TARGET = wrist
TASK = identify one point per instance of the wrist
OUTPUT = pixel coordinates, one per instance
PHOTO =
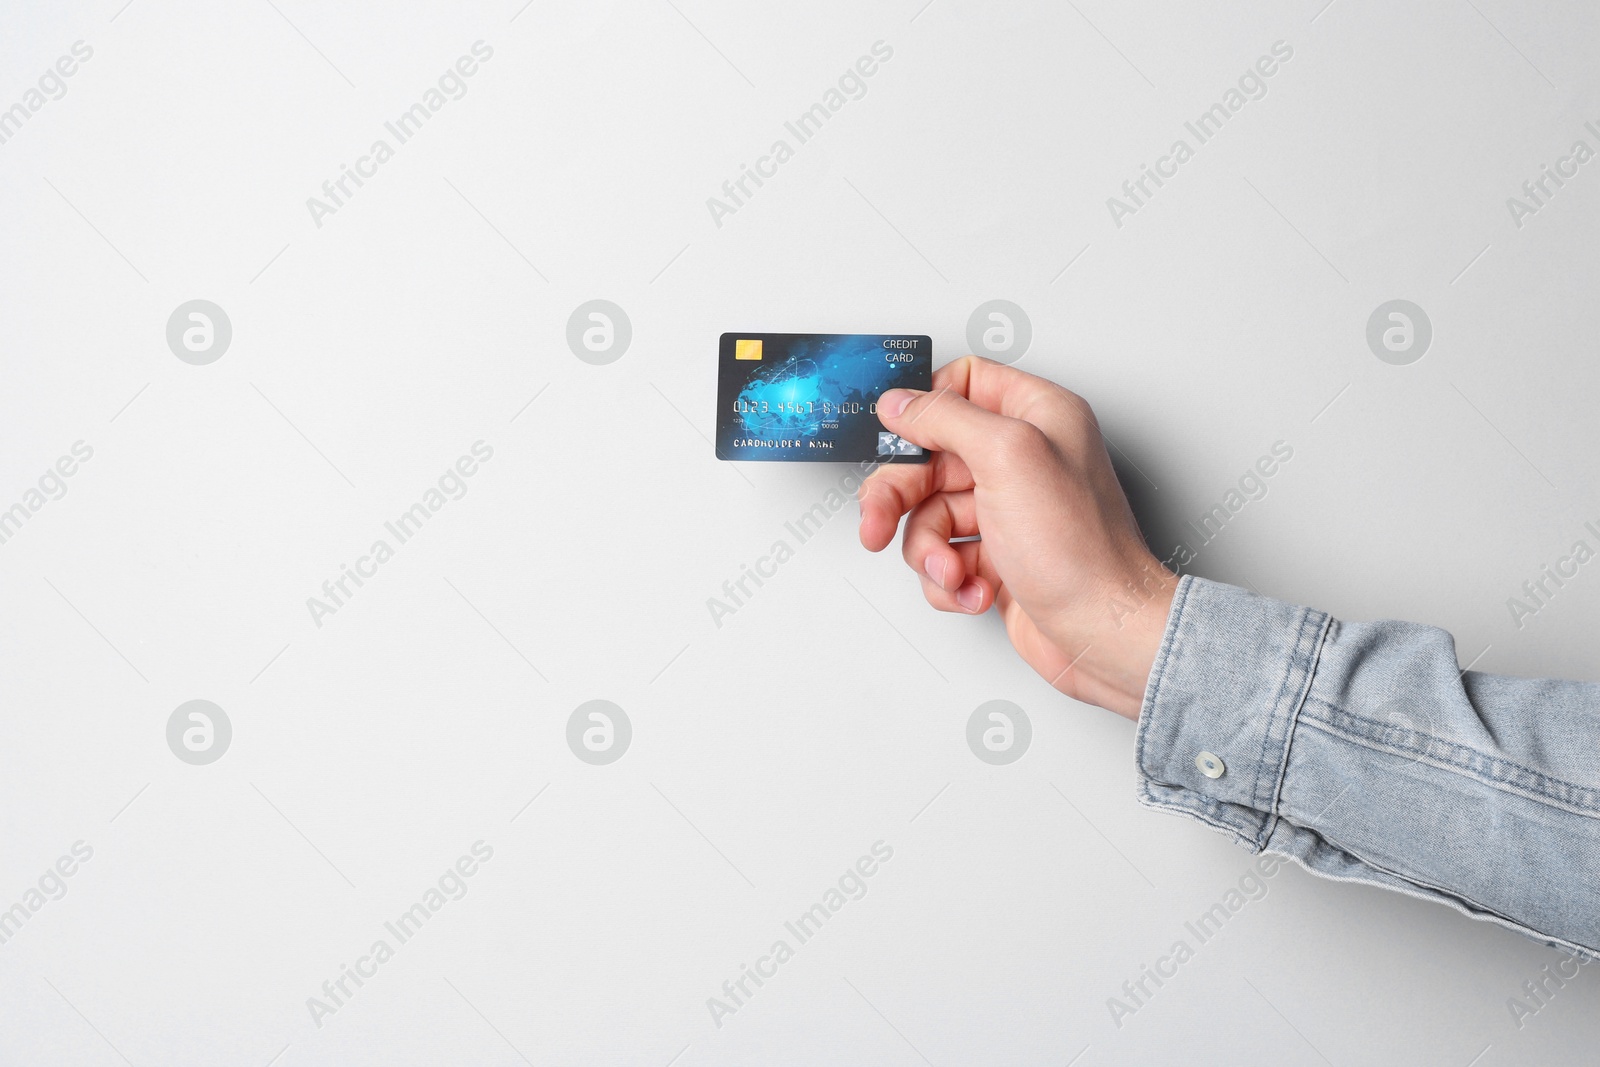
(1123, 637)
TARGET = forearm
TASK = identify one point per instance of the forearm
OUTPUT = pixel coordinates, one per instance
(1361, 751)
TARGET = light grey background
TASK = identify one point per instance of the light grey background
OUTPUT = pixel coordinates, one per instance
(829, 712)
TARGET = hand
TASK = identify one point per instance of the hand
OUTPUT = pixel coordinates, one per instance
(1020, 461)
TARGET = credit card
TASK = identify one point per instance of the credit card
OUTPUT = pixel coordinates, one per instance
(813, 397)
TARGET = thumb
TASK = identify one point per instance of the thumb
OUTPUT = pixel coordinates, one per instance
(942, 420)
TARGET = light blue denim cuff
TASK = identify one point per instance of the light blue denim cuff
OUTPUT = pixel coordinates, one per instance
(1221, 706)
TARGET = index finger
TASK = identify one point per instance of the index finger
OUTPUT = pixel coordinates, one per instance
(893, 490)
(1061, 414)
(896, 488)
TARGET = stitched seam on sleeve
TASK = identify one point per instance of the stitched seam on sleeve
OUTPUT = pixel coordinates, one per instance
(1272, 712)
(1554, 792)
(1262, 799)
(1319, 640)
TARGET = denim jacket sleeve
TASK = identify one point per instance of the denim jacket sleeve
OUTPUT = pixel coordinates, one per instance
(1363, 752)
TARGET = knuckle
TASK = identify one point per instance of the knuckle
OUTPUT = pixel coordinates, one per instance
(1076, 401)
(1073, 405)
(1020, 441)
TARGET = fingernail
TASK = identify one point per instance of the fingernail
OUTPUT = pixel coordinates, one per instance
(970, 595)
(892, 403)
(934, 567)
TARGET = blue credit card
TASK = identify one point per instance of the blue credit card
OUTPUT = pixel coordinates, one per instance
(813, 397)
